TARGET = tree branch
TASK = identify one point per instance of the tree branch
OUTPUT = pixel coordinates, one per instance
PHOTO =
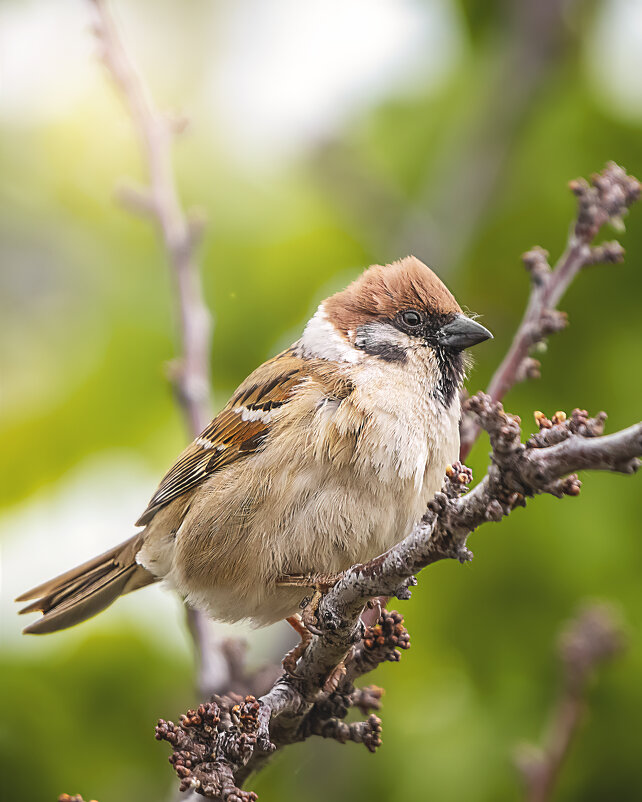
(591, 639)
(605, 200)
(179, 231)
(160, 200)
(463, 165)
(314, 700)
(217, 762)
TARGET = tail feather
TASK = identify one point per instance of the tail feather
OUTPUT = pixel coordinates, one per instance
(87, 589)
(62, 589)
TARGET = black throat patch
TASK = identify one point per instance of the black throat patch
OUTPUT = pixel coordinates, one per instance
(452, 367)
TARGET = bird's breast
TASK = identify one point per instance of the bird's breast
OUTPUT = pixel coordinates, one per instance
(339, 482)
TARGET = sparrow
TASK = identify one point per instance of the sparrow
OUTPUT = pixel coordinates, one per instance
(325, 456)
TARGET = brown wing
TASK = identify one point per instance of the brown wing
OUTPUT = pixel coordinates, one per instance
(237, 431)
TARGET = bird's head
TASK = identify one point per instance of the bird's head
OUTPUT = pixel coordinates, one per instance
(395, 313)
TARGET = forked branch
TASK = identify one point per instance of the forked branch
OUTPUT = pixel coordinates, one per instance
(605, 199)
(216, 762)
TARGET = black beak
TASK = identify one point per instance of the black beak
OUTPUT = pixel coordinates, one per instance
(461, 333)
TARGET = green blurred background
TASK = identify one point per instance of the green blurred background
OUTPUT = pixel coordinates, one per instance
(325, 136)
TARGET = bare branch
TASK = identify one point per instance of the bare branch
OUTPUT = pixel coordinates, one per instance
(160, 200)
(604, 200)
(180, 231)
(307, 704)
(458, 178)
(216, 747)
(594, 637)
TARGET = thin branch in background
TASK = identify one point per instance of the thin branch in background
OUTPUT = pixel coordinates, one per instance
(180, 231)
(160, 200)
(471, 164)
(605, 199)
(593, 638)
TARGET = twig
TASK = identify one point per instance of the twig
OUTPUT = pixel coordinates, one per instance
(307, 703)
(605, 200)
(191, 378)
(190, 375)
(594, 637)
(466, 171)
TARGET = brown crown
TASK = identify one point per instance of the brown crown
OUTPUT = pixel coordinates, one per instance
(382, 291)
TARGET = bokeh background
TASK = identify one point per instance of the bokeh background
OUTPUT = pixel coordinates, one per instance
(325, 135)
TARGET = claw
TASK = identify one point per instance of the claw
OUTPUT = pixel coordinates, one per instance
(307, 624)
(291, 658)
(321, 583)
(309, 614)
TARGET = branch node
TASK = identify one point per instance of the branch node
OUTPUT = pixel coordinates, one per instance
(536, 262)
(135, 199)
(494, 511)
(177, 122)
(529, 368)
(403, 592)
(464, 555)
(606, 253)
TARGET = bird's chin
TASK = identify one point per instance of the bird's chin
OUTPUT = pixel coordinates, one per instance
(452, 368)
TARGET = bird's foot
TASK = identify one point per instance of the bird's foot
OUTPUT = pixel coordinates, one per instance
(321, 584)
(291, 658)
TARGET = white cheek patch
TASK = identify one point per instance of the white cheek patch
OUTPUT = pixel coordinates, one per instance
(321, 340)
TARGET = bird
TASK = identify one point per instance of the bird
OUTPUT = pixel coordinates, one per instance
(324, 457)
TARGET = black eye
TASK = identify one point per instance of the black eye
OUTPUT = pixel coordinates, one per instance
(411, 318)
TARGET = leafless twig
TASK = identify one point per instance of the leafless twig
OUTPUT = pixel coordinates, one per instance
(467, 161)
(592, 638)
(190, 375)
(160, 200)
(605, 200)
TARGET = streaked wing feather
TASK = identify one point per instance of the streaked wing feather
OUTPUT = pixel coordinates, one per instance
(229, 437)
